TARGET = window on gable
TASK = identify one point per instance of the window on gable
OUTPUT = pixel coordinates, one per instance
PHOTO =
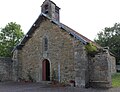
(45, 44)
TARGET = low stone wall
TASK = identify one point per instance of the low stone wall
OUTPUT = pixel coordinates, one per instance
(5, 69)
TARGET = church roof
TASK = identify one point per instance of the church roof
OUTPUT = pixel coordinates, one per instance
(75, 34)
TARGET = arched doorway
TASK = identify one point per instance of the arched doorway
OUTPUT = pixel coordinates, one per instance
(45, 70)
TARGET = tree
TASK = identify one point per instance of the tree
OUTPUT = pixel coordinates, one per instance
(110, 37)
(9, 37)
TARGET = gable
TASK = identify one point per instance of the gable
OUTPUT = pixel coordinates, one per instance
(37, 23)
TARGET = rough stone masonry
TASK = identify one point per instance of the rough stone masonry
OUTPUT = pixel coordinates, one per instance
(52, 51)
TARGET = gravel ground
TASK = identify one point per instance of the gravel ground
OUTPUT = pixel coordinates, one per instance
(40, 87)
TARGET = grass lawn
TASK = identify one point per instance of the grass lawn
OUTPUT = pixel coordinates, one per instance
(116, 80)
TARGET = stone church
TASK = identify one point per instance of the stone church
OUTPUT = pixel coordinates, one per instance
(52, 51)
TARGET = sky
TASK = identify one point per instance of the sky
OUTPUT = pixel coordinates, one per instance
(88, 17)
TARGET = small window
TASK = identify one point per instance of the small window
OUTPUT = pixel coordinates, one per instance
(45, 44)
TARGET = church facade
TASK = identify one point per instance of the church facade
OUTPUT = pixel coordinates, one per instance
(52, 51)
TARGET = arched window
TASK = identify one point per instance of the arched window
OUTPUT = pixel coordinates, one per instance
(45, 44)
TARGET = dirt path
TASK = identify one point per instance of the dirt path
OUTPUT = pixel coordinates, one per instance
(40, 87)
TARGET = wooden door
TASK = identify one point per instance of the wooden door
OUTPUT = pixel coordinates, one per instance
(45, 70)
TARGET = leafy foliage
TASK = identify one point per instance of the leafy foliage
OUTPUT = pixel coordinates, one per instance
(9, 37)
(110, 37)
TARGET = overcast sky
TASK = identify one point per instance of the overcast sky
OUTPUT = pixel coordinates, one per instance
(87, 17)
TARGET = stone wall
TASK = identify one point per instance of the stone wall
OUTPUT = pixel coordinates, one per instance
(60, 53)
(100, 70)
(5, 69)
(81, 65)
(16, 66)
(112, 63)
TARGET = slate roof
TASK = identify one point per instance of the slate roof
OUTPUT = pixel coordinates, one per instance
(36, 24)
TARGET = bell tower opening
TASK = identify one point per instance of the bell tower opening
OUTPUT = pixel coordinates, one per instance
(46, 9)
(50, 9)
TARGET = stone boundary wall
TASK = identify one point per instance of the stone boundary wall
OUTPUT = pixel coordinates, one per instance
(5, 68)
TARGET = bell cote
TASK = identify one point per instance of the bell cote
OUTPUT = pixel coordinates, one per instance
(50, 9)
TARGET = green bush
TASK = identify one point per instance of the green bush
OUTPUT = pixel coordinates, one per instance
(116, 80)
